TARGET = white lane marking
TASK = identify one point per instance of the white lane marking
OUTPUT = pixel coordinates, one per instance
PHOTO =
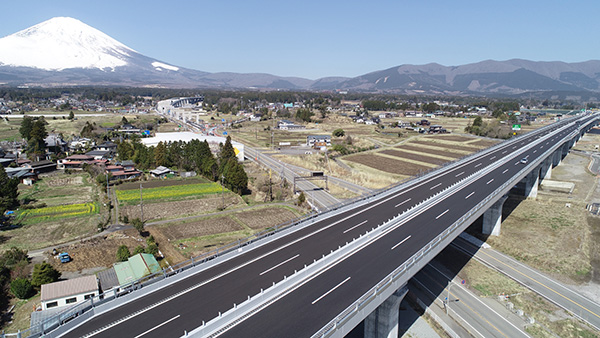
(157, 326)
(504, 152)
(535, 151)
(280, 264)
(435, 186)
(514, 147)
(399, 204)
(493, 157)
(356, 226)
(477, 165)
(505, 170)
(490, 181)
(460, 173)
(402, 241)
(516, 163)
(330, 291)
(469, 195)
(442, 214)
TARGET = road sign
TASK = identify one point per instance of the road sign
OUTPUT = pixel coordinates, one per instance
(222, 120)
(516, 127)
(224, 133)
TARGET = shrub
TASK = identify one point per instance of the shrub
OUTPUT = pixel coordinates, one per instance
(21, 288)
(123, 253)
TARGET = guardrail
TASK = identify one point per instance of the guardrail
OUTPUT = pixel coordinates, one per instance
(82, 310)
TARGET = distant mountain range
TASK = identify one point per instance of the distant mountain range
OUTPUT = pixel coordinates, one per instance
(66, 52)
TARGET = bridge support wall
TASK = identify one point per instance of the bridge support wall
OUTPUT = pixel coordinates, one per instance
(528, 186)
(383, 322)
(492, 218)
(557, 157)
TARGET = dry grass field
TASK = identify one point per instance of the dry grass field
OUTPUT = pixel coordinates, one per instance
(57, 190)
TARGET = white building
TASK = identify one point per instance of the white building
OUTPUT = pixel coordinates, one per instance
(187, 136)
(68, 292)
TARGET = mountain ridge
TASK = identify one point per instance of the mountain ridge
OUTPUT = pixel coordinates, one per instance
(66, 52)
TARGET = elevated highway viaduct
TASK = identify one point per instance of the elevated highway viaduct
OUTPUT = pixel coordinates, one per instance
(340, 267)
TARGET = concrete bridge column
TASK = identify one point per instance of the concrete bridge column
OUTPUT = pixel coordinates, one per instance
(383, 322)
(557, 157)
(565, 149)
(492, 218)
(546, 168)
(528, 186)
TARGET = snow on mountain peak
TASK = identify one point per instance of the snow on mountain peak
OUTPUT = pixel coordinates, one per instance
(61, 43)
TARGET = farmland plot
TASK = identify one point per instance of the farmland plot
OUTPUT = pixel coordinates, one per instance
(173, 192)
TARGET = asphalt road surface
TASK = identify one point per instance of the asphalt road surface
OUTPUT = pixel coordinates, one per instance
(186, 304)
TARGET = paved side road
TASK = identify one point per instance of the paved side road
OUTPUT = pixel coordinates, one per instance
(557, 293)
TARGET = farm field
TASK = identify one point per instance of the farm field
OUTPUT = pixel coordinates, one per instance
(193, 237)
(418, 154)
(174, 198)
(71, 210)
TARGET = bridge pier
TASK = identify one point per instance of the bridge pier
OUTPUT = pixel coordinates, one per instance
(528, 186)
(383, 322)
(546, 168)
(492, 218)
(565, 149)
(557, 157)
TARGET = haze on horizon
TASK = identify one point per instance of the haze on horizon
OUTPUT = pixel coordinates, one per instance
(315, 39)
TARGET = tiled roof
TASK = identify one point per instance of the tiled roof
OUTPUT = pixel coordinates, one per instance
(69, 287)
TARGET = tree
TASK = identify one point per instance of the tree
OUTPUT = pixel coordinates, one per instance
(160, 154)
(339, 132)
(477, 121)
(26, 126)
(123, 253)
(139, 249)
(44, 273)
(152, 249)
(71, 115)
(21, 288)
(36, 143)
(301, 198)
(138, 225)
(124, 120)
(13, 256)
(304, 114)
(8, 191)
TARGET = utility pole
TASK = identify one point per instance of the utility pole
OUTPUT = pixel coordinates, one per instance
(222, 193)
(270, 187)
(141, 204)
(448, 296)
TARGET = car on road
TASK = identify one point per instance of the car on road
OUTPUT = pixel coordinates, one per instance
(524, 160)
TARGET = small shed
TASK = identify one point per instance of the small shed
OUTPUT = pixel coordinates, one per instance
(161, 172)
(136, 267)
(68, 292)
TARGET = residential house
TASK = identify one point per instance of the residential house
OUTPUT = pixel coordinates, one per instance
(80, 143)
(100, 154)
(75, 161)
(318, 141)
(136, 267)
(68, 292)
(289, 125)
(55, 144)
(107, 146)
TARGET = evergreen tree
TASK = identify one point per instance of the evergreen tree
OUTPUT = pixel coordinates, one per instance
(160, 154)
(26, 126)
(36, 143)
(8, 191)
(123, 253)
(71, 115)
(44, 273)
(21, 288)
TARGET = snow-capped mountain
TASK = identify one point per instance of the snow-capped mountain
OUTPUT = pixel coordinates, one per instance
(61, 43)
(65, 51)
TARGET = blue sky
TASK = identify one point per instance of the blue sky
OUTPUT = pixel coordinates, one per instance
(314, 39)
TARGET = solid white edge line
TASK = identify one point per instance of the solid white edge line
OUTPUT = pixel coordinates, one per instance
(354, 227)
(469, 195)
(330, 291)
(442, 214)
(402, 241)
(278, 265)
(399, 204)
(157, 326)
